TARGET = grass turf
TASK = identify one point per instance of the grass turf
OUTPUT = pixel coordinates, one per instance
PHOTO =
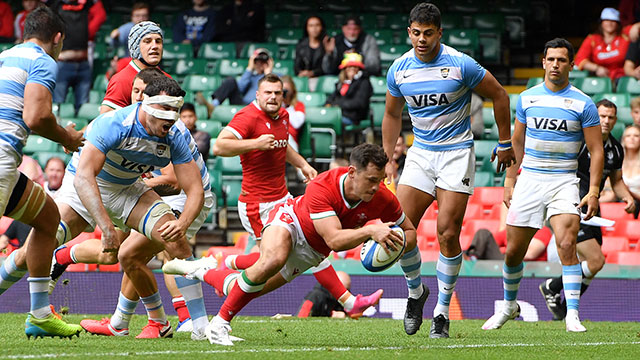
(322, 338)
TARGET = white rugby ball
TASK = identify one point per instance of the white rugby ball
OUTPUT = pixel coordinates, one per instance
(373, 256)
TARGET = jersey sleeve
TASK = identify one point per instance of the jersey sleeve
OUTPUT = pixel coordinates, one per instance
(118, 94)
(242, 125)
(590, 115)
(472, 71)
(394, 90)
(320, 201)
(104, 133)
(43, 72)
(180, 153)
(393, 211)
(520, 115)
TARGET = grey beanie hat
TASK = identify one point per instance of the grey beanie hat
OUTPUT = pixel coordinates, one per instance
(138, 31)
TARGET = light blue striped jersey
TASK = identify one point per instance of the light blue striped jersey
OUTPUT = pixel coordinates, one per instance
(130, 150)
(193, 146)
(22, 64)
(554, 124)
(438, 94)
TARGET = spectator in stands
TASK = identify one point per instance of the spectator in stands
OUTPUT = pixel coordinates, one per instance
(203, 139)
(195, 26)
(320, 302)
(311, 48)
(295, 109)
(139, 13)
(6, 22)
(31, 169)
(631, 163)
(18, 24)
(603, 53)
(242, 91)
(54, 173)
(485, 246)
(241, 21)
(399, 155)
(353, 91)
(82, 19)
(629, 13)
(635, 110)
(352, 39)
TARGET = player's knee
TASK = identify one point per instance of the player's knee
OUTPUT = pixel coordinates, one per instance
(63, 233)
(271, 262)
(597, 263)
(152, 219)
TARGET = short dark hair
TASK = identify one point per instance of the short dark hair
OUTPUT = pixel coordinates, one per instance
(559, 43)
(140, 5)
(426, 14)
(323, 32)
(43, 24)
(354, 18)
(272, 78)
(607, 103)
(188, 107)
(164, 84)
(148, 75)
(364, 154)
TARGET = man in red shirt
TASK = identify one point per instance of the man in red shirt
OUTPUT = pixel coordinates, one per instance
(330, 216)
(145, 46)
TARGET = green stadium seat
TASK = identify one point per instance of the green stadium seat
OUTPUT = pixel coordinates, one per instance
(248, 49)
(96, 96)
(624, 115)
(230, 67)
(379, 85)
(283, 67)
(285, 36)
(89, 111)
(80, 122)
(201, 83)
(388, 53)
(232, 189)
(628, 85)
(488, 21)
(513, 102)
(209, 126)
(278, 19)
(451, 21)
(224, 113)
(534, 81)
(483, 148)
(397, 21)
(304, 141)
(287, 52)
(101, 51)
(229, 166)
(593, 85)
(324, 144)
(312, 99)
(488, 119)
(327, 84)
(325, 117)
(574, 74)
(491, 132)
(36, 144)
(5, 46)
(177, 51)
(201, 111)
(100, 83)
(184, 67)
(383, 36)
(490, 27)
(216, 51)
(617, 130)
(465, 40)
(484, 179)
(377, 113)
(616, 98)
(64, 110)
(301, 82)
(369, 20)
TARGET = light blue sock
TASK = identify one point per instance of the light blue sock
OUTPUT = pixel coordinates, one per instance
(191, 290)
(39, 290)
(155, 310)
(511, 277)
(122, 316)
(411, 262)
(572, 281)
(10, 273)
(447, 270)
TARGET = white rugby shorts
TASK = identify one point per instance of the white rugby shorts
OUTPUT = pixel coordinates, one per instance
(254, 215)
(176, 202)
(9, 175)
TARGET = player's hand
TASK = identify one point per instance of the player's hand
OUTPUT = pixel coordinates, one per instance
(309, 173)
(592, 205)
(172, 230)
(329, 44)
(252, 60)
(265, 142)
(110, 240)
(391, 171)
(630, 208)
(508, 194)
(76, 139)
(506, 158)
(385, 236)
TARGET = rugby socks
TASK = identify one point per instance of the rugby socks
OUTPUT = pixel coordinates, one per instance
(155, 310)
(241, 294)
(511, 277)
(327, 277)
(241, 262)
(219, 279)
(10, 273)
(66, 255)
(447, 271)
(39, 290)
(124, 311)
(181, 308)
(587, 276)
(411, 263)
(572, 280)
(191, 290)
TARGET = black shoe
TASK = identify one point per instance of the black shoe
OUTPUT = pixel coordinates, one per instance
(56, 271)
(553, 301)
(413, 314)
(439, 327)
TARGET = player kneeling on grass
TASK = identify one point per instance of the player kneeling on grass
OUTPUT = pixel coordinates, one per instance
(302, 232)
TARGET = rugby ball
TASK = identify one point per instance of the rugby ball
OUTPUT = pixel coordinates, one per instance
(373, 256)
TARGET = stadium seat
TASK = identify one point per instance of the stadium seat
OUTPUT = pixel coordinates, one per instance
(100, 83)
(427, 228)
(289, 36)
(101, 51)
(278, 19)
(64, 110)
(176, 51)
(465, 40)
(390, 52)
(484, 178)
(618, 99)
(184, 67)
(95, 96)
(201, 83)
(490, 27)
(249, 48)
(325, 117)
(232, 189)
(396, 21)
(302, 83)
(473, 211)
(216, 51)
(231, 67)
(612, 244)
(312, 99)
(383, 36)
(483, 148)
(110, 268)
(209, 126)
(624, 258)
(487, 196)
(617, 130)
(593, 85)
(379, 84)
(283, 67)
(624, 115)
(224, 113)
(632, 232)
(628, 85)
(369, 20)
(431, 212)
(80, 122)
(5, 46)
(451, 21)
(229, 166)
(471, 226)
(614, 211)
(326, 84)
(89, 111)
(304, 141)
(575, 74)
(534, 81)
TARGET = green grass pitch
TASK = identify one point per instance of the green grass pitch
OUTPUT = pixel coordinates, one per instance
(334, 338)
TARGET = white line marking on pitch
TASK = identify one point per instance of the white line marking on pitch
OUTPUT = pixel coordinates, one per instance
(306, 349)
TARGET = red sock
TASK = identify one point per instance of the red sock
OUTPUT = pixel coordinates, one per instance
(63, 256)
(330, 281)
(215, 278)
(244, 261)
(181, 308)
(236, 300)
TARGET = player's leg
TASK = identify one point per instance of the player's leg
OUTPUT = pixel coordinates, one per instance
(518, 239)
(253, 216)
(590, 252)
(179, 304)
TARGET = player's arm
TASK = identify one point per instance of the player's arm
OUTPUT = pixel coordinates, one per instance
(89, 166)
(410, 232)
(166, 184)
(490, 88)
(622, 191)
(227, 144)
(190, 181)
(391, 127)
(298, 161)
(517, 141)
(339, 239)
(105, 109)
(38, 116)
(593, 139)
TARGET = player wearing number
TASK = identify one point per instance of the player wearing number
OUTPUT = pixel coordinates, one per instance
(552, 121)
(301, 233)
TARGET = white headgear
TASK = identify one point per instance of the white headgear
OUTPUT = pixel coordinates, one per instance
(173, 101)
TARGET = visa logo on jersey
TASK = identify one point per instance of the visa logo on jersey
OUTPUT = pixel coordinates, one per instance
(136, 167)
(428, 100)
(550, 124)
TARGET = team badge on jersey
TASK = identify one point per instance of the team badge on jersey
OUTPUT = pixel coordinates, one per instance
(286, 218)
(161, 149)
(444, 72)
(268, 124)
(567, 103)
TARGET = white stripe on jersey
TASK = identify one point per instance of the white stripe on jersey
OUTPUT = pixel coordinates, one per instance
(14, 74)
(234, 131)
(457, 139)
(550, 101)
(21, 52)
(426, 74)
(442, 120)
(553, 146)
(141, 145)
(11, 102)
(10, 127)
